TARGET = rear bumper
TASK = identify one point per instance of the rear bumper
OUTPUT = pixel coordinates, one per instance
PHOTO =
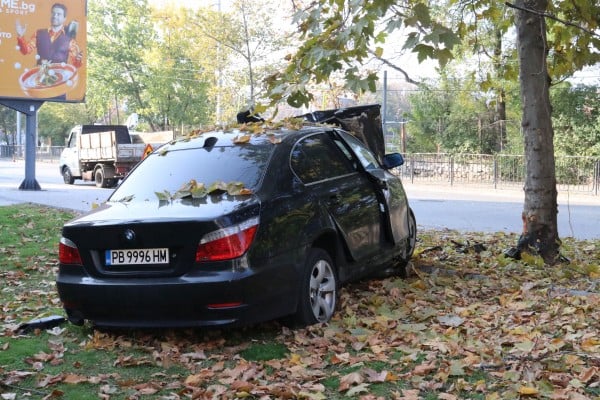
(219, 298)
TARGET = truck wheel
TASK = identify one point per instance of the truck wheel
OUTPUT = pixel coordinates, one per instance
(99, 178)
(67, 176)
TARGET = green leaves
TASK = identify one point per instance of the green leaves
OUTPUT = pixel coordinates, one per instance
(339, 36)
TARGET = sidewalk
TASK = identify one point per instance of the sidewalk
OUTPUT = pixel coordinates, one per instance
(476, 192)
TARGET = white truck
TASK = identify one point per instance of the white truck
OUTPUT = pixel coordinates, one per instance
(105, 153)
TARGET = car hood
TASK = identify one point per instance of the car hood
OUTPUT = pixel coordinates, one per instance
(208, 208)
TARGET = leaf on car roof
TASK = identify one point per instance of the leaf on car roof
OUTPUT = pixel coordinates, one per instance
(255, 128)
(191, 189)
(126, 199)
(237, 189)
(241, 139)
(163, 196)
(217, 187)
(275, 139)
(199, 192)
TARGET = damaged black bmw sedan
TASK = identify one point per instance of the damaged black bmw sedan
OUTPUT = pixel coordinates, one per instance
(239, 226)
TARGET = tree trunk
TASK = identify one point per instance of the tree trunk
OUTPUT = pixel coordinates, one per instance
(540, 230)
(500, 117)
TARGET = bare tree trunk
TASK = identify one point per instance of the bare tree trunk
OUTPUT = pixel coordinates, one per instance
(540, 230)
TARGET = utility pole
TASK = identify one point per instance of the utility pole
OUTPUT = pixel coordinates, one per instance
(219, 74)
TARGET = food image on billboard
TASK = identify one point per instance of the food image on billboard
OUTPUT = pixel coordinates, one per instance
(43, 50)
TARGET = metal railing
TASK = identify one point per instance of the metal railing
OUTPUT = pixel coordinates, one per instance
(573, 173)
(42, 153)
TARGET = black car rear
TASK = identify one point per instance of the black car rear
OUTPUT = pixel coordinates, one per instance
(235, 228)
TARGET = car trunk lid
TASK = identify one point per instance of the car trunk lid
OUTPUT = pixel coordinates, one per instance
(140, 239)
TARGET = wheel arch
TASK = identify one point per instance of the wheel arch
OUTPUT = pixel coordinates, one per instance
(330, 242)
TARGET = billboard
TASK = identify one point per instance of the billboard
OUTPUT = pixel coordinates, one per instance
(43, 52)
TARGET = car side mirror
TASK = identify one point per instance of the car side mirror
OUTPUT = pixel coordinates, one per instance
(392, 160)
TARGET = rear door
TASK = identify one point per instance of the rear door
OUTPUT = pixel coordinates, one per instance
(333, 180)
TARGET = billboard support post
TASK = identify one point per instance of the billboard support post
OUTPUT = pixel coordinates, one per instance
(29, 108)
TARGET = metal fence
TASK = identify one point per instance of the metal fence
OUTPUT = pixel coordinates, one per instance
(576, 174)
(42, 153)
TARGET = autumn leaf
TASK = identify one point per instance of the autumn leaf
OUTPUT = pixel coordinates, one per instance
(237, 189)
(199, 192)
(528, 391)
(74, 379)
(457, 368)
(125, 199)
(275, 139)
(163, 196)
(217, 187)
(374, 376)
(424, 369)
(361, 388)
(451, 320)
(350, 380)
(242, 139)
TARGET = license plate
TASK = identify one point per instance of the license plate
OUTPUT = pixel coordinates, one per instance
(137, 256)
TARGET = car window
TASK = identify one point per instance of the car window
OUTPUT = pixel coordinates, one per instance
(316, 158)
(170, 171)
(366, 157)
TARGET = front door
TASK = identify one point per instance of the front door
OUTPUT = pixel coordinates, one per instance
(346, 194)
(390, 192)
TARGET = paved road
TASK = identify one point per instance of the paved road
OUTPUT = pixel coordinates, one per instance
(78, 197)
(435, 206)
(495, 210)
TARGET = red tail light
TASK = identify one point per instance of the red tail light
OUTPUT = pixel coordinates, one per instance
(68, 253)
(227, 243)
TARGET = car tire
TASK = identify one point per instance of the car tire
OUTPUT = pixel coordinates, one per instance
(319, 289)
(67, 176)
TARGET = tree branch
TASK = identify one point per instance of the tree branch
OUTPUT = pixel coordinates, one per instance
(394, 66)
(547, 15)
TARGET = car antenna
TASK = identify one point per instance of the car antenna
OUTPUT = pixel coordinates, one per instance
(210, 142)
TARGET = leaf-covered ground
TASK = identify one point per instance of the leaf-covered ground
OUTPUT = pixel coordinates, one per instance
(467, 323)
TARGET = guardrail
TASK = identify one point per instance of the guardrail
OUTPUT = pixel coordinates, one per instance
(573, 173)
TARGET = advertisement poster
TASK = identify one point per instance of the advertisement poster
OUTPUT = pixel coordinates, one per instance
(43, 50)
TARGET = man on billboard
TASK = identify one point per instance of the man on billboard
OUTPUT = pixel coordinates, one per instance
(55, 44)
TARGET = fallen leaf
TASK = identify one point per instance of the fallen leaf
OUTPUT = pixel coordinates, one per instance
(451, 320)
(528, 390)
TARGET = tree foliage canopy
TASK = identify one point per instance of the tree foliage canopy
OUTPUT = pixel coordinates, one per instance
(339, 36)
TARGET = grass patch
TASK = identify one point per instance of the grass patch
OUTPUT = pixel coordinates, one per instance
(466, 323)
(265, 352)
